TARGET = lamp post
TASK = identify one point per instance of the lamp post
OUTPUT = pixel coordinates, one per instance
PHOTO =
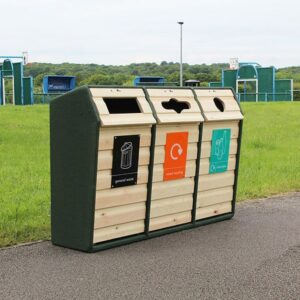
(181, 75)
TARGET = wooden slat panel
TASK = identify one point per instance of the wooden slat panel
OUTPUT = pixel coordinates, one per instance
(211, 92)
(204, 165)
(158, 171)
(171, 205)
(213, 181)
(119, 215)
(104, 178)
(206, 148)
(211, 112)
(171, 93)
(161, 132)
(116, 92)
(109, 119)
(121, 196)
(159, 155)
(187, 118)
(106, 139)
(212, 197)
(105, 158)
(117, 231)
(213, 210)
(160, 110)
(208, 104)
(170, 220)
(228, 115)
(126, 119)
(208, 127)
(172, 188)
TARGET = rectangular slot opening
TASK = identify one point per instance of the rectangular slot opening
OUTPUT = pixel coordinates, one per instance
(122, 105)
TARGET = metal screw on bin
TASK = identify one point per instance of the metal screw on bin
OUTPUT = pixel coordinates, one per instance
(181, 75)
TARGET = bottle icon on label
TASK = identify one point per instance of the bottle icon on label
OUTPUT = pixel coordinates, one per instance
(220, 146)
(126, 155)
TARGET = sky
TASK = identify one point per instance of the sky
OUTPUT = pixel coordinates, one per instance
(119, 32)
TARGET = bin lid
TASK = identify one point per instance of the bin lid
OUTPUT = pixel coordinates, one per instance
(175, 105)
(218, 104)
(122, 106)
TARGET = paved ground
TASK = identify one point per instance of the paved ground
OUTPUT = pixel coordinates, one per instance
(256, 255)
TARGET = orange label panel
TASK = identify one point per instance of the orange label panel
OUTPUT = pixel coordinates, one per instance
(175, 155)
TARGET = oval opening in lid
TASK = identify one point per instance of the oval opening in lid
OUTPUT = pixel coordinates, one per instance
(219, 104)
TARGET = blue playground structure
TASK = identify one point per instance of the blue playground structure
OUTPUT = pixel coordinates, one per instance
(148, 80)
(58, 84)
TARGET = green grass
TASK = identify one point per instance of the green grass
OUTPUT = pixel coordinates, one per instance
(270, 156)
(24, 174)
(270, 163)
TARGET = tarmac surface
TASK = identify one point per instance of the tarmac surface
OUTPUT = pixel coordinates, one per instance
(256, 255)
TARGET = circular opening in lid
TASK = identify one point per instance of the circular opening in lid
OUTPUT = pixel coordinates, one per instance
(219, 104)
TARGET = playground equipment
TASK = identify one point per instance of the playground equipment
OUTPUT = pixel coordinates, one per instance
(252, 82)
(149, 81)
(58, 84)
(22, 87)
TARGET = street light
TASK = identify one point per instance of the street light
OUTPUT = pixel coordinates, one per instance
(181, 75)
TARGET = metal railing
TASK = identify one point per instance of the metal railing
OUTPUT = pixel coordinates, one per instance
(157, 84)
(265, 97)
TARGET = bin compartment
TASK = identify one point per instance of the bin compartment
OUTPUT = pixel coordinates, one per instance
(120, 211)
(219, 148)
(177, 133)
(100, 155)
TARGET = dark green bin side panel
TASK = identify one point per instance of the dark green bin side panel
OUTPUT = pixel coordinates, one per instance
(74, 135)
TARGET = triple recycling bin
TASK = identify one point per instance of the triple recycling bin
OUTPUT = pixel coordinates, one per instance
(129, 164)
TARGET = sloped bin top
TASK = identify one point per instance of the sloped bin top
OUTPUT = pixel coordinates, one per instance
(122, 106)
(218, 104)
(175, 105)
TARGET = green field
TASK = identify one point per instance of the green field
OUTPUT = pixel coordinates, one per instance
(270, 163)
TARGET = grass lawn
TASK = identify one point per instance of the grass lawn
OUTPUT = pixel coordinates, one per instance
(270, 163)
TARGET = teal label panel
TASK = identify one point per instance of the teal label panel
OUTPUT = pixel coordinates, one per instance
(219, 154)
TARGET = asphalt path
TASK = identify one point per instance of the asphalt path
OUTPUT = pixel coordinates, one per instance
(256, 255)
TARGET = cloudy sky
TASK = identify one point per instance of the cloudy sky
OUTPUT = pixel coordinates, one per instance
(126, 31)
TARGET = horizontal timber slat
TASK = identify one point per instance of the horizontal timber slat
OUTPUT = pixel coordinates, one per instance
(206, 148)
(213, 210)
(117, 231)
(210, 126)
(121, 196)
(105, 158)
(212, 197)
(159, 154)
(213, 181)
(106, 139)
(158, 171)
(104, 178)
(171, 205)
(170, 220)
(204, 165)
(161, 132)
(172, 188)
(119, 215)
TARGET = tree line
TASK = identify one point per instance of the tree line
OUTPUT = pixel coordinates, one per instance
(94, 74)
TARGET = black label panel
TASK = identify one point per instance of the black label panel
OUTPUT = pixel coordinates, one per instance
(125, 160)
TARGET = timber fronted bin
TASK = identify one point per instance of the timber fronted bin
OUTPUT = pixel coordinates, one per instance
(220, 151)
(175, 157)
(131, 163)
(100, 154)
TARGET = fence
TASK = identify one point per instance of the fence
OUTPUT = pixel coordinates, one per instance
(266, 97)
